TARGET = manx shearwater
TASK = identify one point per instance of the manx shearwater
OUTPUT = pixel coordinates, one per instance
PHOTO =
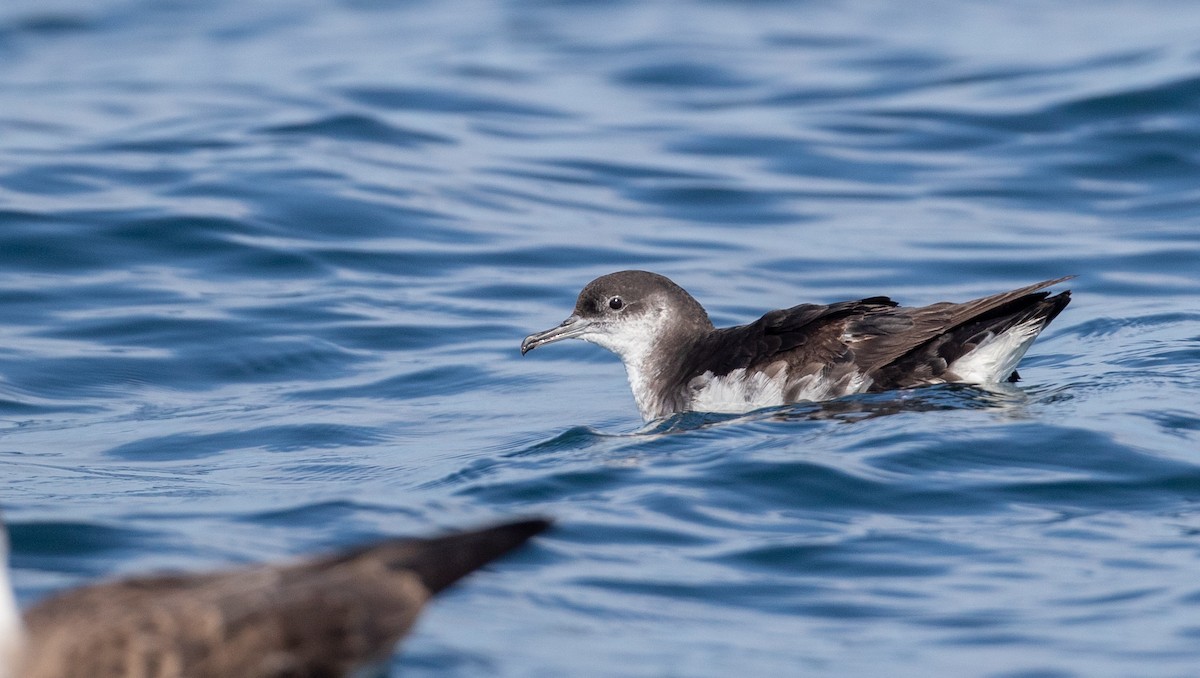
(677, 361)
(337, 615)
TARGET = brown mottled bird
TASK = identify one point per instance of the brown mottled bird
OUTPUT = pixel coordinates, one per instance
(677, 361)
(321, 618)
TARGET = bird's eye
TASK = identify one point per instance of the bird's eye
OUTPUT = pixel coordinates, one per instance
(616, 303)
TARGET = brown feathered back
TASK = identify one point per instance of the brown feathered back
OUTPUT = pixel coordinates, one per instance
(318, 619)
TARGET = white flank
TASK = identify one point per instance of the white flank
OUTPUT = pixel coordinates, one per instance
(816, 387)
(741, 391)
(995, 358)
(737, 391)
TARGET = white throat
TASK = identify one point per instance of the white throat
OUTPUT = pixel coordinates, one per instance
(635, 341)
(639, 382)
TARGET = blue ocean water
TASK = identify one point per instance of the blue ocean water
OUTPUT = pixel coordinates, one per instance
(265, 268)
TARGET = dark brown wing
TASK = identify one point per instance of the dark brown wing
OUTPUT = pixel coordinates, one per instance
(808, 333)
(318, 619)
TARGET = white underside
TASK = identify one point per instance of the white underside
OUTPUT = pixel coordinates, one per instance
(996, 358)
(741, 391)
(736, 392)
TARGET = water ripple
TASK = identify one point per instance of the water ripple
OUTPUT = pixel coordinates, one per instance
(264, 277)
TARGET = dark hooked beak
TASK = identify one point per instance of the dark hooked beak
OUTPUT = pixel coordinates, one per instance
(569, 329)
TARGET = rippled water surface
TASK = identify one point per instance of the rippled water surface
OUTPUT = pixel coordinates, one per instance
(265, 268)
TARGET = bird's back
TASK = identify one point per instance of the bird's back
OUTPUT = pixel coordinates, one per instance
(302, 621)
(321, 618)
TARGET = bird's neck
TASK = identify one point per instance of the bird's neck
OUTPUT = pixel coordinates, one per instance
(654, 373)
(648, 399)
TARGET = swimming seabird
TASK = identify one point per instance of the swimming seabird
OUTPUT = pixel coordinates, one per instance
(331, 616)
(677, 361)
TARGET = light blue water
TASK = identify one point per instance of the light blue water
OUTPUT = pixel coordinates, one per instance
(265, 268)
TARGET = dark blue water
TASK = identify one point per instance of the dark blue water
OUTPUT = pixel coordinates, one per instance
(265, 268)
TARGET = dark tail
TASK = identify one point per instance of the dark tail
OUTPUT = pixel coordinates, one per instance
(441, 561)
(929, 360)
(1039, 305)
